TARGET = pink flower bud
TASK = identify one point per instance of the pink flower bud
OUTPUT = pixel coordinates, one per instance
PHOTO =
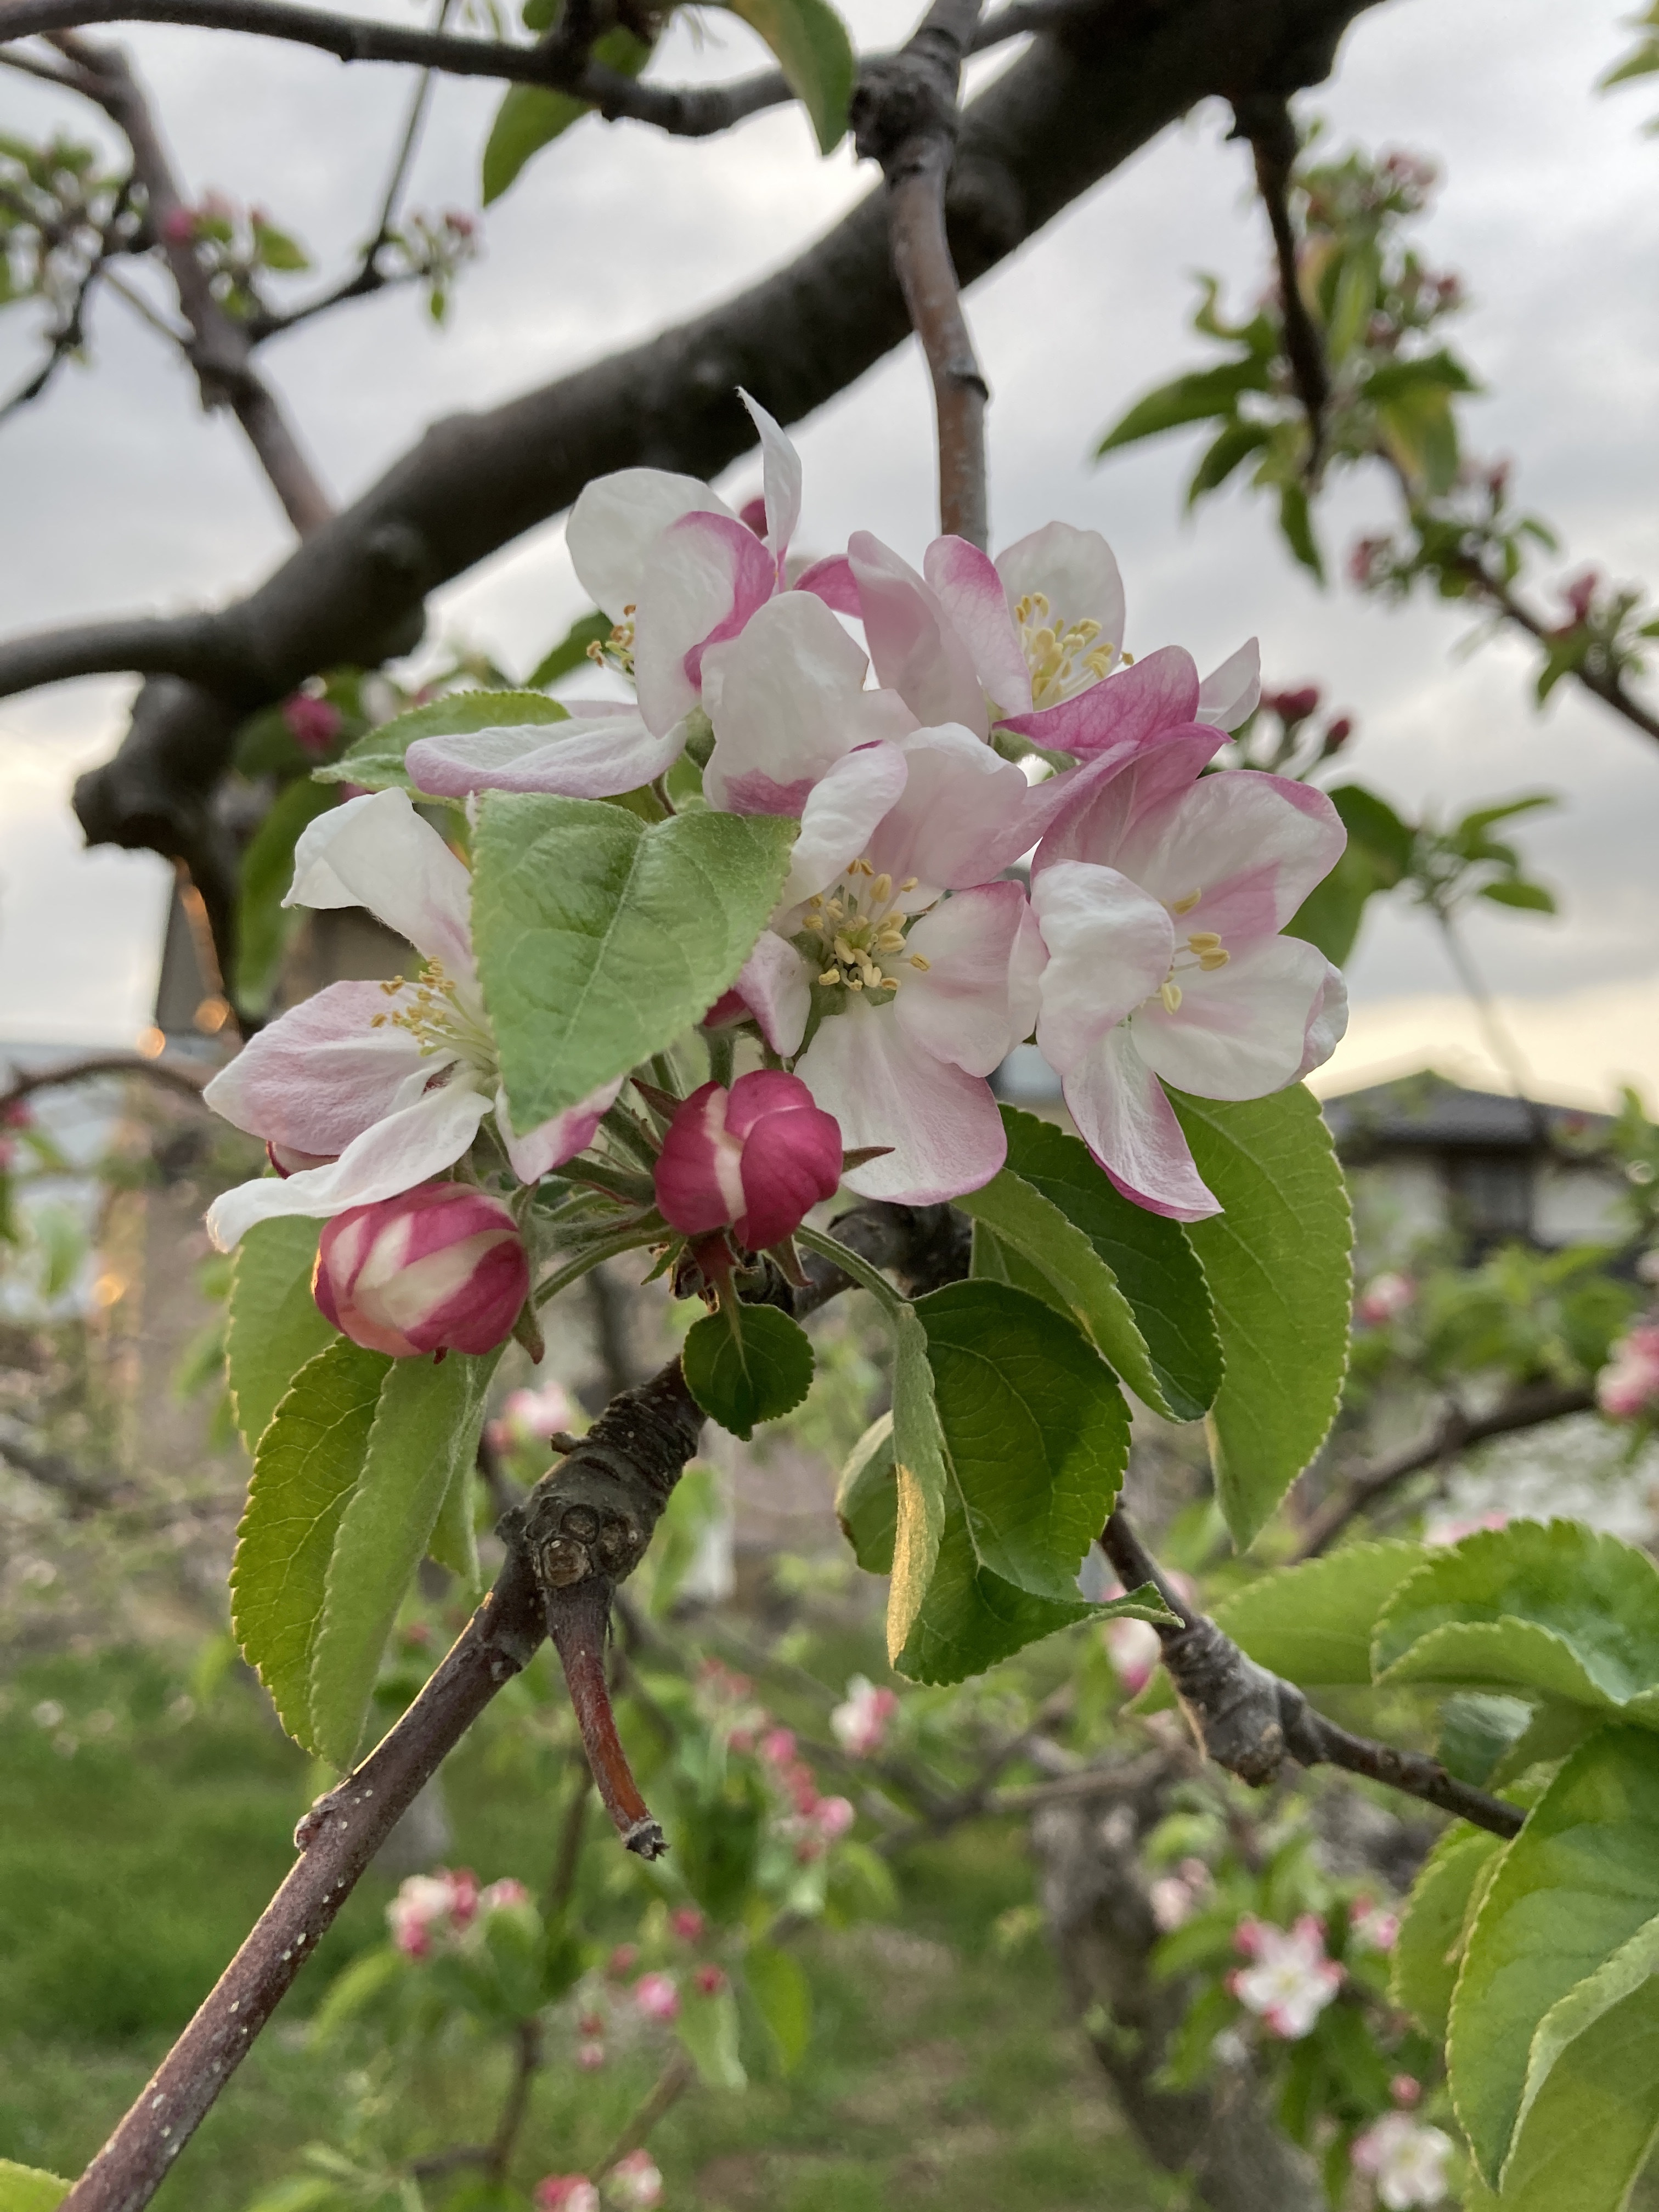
(1293, 706)
(590, 2055)
(313, 724)
(752, 515)
(622, 1961)
(505, 1892)
(756, 1159)
(777, 1747)
(687, 1922)
(656, 1997)
(634, 2182)
(710, 1981)
(590, 2026)
(566, 2192)
(1384, 1298)
(836, 1816)
(1405, 2089)
(440, 1269)
(178, 226)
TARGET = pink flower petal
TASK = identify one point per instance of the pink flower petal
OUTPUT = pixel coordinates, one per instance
(913, 644)
(780, 466)
(1253, 846)
(376, 852)
(839, 819)
(408, 1147)
(597, 754)
(557, 1141)
(704, 578)
(775, 984)
(1092, 810)
(963, 818)
(1327, 1023)
(1130, 1127)
(832, 580)
(884, 1089)
(791, 1162)
(970, 590)
(1158, 693)
(617, 520)
(319, 1075)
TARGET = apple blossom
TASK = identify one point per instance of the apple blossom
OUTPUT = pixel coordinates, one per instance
(1160, 893)
(1373, 1927)
(1628, 1386)
(1291, 1980)
(441, 1268)
(1176, 1897)
(1384, 1298)
(590, 2054)
(656, 1997)
(566, 2192)
(428, 1907)
(688, 1923)
(1406, 2159)
(634, 2182)
(505, 1892)
(1133, 1649)
(1451, 1528)
(531, 1417)
(755, 1159)
(373, 1088)
(710, 1981)
(859, 1725)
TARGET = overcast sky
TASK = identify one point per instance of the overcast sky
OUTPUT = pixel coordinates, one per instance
(120, 496)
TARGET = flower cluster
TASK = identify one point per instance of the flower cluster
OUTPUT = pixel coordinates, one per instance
(633, 2184)
(1406, 2160)
(431, 1911)
(1384, 1298)
(1290, 1979)
(859, 1725)
(803, 1818)
(1628, 1386)
(939, 734)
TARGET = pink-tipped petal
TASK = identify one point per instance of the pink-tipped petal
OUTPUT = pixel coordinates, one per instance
(1239, 1031)
(704, 578)
(1091, 810)
(884, 1089)
(963, 818)
(775, 984)
(781, 466)
(376, 852)
(1130, 1127)
(699, 1170)
(1230, 695)
(408, 1147)
(1110, 946)
(595, 755)
(1253, 846)
(832, 580)
(1157, 694)
(791, 1162)
(554, 1142)
(970, 590)
(320, 1074)
(839, 815)
(765, 1091)
(1076, 571)
(617, 520)
(961, 1007)
(1328, 1025)
(913, 644)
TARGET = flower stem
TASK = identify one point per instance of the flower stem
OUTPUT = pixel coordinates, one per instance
(861, 1271)
(585, 1262)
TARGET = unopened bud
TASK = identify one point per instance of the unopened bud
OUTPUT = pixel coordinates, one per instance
(313, 724)
(755, 1159)
(1293, 706)
(439, 1268)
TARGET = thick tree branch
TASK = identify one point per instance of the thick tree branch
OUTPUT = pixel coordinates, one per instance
(905, 116)
(1251, 1721)
(1528, 1408)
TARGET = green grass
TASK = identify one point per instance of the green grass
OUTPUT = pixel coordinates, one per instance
(139, 1838)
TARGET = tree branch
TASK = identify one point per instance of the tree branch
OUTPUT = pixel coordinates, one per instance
(190, 1081)
(1265, 119)
(1251, 1721)
(905, 116)
(1455, 1431)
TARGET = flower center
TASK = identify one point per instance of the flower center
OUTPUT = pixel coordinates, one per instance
(1062, 660)
(1204, 951)
(858, 931)
(616, 651)
(443, 1016)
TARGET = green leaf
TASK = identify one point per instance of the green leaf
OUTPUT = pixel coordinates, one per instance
(783, 1998)
(1296, 527)
(1435, 1924)
(707, 2027)
(1128, 1277)
(1236, 442)
(815, 54)
(1578, 1882)
(1371, 823)
(1331, 914)
(376, 761)
(1191, 398)
(571, 651)
(275, 1324)
(1536, 1605)
(1007, 1468)
(1516, 892)
(599, 938)
(742, 1378)
(25, 2189)
(1356, 297)
(453, 1542)
(263, 926)
(1278, 1264)
(1420, 435)
(426, 1430)
(866, 1499)
(1313, 1624)
(529, 118)
(307, 1464)
(1590, 2109)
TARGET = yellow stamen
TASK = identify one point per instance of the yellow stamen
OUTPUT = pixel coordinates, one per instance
(1186, 905)
(1211, 961)
(917, 961)
(1204, 940)
(1170, 995)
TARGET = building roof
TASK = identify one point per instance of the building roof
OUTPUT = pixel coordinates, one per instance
(1428, 1112)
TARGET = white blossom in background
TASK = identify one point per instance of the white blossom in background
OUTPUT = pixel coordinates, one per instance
(1373, 1926)
(1406, 2160)
(634, 2182)
(1384, 1298)
(1290, 1979)
(1176, 1897)
(859, 1725)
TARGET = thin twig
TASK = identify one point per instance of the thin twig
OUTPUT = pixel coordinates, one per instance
(1251, 1721)
(669, 2087)
(189, 1081)
(1265, 119)
(905, 116)
(70, 333)
(1456, 1431)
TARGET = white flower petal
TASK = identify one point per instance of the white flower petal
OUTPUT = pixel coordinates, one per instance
(408, 1147)
(913, 644)
(1109, 947)
(840, 818)
(970, 590)
(315, 1079)
(1124, 1116)
(884, 1089)
(592, 756)
(1075, 570)
(1230, 695)
(378, 853)
(962, 819)
(775, 984)
(554, 1142)
(615, 521)
(962, 1007)
(1253, 846)
(704, 577)
(1241, 1031)
(780, 465)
